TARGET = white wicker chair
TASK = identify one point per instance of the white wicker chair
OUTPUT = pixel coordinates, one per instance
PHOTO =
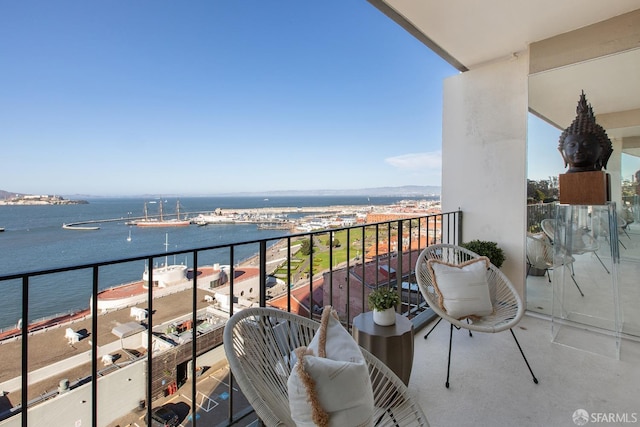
(540, 255)
(601, 228)
(507, 305)
(258, 343)
(582, 242)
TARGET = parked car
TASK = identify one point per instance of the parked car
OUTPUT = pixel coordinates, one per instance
(164, 417)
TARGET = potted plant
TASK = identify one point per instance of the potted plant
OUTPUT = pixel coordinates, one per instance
(485, 248)
(383, 302)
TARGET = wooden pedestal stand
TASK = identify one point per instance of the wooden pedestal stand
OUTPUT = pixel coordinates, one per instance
(585, 188)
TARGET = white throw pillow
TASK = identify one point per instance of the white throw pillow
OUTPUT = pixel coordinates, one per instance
(330, 384)
(462, 289)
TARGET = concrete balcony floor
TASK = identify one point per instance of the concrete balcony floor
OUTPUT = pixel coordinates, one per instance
(490, 384)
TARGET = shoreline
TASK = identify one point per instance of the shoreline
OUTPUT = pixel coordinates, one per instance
(276, 244)
(252, 261)
(59, 320)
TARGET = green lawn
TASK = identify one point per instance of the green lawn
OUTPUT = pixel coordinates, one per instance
(322, 254)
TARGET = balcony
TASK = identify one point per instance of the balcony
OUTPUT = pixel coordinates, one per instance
(489, 385)
(140, 346)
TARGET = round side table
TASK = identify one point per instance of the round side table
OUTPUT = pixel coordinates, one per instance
(393, 345)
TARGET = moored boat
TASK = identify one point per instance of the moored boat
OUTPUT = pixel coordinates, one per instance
(78, 227)
(163, 223)
(160, 221)
(213, 219)
(167, 279)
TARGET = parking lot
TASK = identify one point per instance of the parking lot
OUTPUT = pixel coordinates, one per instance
(212, 403)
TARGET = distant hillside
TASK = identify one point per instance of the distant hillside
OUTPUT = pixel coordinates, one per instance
(403, 191)
(8, 194)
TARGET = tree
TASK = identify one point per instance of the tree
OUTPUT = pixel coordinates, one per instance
(543, 190)
(305, 247)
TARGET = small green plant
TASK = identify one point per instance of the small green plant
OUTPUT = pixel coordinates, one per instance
(488, 249)
(383, 298)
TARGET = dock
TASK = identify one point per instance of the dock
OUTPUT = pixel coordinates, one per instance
(263, 216)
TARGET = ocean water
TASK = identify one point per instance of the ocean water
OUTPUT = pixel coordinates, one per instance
(35, 240)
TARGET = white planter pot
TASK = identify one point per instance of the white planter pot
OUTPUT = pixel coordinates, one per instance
(385, 317)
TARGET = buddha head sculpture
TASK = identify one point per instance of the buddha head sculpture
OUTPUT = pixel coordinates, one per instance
(584, 145)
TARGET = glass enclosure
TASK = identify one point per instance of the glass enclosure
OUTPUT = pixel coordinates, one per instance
(586, 310)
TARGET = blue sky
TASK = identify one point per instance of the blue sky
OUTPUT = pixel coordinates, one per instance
(209, 97)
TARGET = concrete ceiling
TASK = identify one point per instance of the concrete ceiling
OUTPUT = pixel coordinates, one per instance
(611, 84)
(469, 34)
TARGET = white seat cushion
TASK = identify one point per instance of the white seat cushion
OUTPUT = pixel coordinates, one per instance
(462, 289)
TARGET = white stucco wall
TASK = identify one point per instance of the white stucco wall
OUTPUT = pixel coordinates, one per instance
(214, 359)
(484, 157)
(118, 394)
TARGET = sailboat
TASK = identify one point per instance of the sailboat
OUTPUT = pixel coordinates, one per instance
(129, 238)
(161, 222)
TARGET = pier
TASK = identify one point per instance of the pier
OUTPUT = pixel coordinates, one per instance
(258, 213)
